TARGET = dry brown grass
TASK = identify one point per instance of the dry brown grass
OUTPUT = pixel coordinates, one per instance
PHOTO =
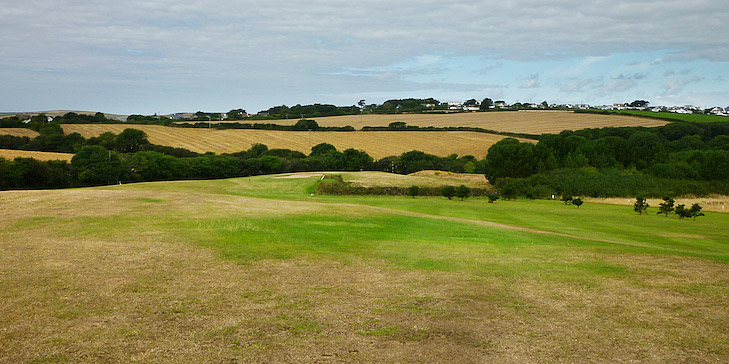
(11, 154)
(21, 132)
(140, 290)
(422, 179)
(714, 203)
(377, 144)
(146, 294)
(530, 122)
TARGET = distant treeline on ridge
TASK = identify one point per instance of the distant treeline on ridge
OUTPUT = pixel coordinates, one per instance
(675, 159)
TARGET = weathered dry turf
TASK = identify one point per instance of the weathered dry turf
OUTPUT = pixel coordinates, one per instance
(69, 292)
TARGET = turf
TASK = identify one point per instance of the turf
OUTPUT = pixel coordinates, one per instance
(260, 270)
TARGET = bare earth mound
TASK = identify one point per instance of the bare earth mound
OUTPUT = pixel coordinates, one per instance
(377, 144)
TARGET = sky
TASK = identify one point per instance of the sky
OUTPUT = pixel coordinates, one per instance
(165, 56)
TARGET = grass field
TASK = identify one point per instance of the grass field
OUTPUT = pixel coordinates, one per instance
(11, 154)
(697, 118)
(528, 122)
(258, 270)
(377, 144)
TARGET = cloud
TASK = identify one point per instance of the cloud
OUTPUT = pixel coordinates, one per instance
(532, 82)
(616, 85)
(576, 85)
(673, 86)
(174, 45)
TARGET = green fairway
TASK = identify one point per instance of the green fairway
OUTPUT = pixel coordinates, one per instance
(697, 118)
(262, 269)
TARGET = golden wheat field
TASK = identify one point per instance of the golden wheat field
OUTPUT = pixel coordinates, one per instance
(11, 154)
(378, 144)
(529, 122)
(21, 132)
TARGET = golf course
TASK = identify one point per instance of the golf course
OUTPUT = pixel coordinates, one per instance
(264, 270)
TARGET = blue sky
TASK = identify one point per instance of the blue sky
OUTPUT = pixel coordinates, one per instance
(166, 56)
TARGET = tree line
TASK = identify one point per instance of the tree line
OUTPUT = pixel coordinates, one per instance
(678, 158)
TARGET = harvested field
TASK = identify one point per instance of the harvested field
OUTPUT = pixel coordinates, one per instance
(421, 179)
(377, 144)
(41, 156)
(469, 179)
(21, 132)
(715, 203)
(529, 122)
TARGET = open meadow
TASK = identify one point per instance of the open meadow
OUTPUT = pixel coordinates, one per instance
(377, 144)
(527, 122)
(261, 270)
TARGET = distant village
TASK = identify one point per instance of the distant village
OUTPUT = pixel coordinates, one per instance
(475, 105)
(686, 109)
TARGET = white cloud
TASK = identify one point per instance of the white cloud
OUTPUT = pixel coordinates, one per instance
(532, 82)
(289, 49)
(674, 86)
(576, 85)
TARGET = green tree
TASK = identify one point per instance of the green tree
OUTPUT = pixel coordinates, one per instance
(130, 140)
(486, 104)
(321, 149)
(493, 197)
(413, 191)
(640, 206)
(306, 124)
(448, 191)
(577, 202)
(510, 158)
(463, 192)
(696, 211)
(567, 199)
(682, 211)
(667, 206)
(95, 165)
(639, 103)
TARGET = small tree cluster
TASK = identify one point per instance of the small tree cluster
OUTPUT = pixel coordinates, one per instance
(693, 212)
(667, 206)
(640, 206)
(413, 191)
(463, 192)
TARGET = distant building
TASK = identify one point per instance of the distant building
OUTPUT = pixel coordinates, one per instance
(455, 105)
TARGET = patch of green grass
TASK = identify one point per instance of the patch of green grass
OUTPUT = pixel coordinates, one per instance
(298, 325)
(150, 200)
(697, 118)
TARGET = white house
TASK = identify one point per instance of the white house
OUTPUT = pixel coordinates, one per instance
(455, 105)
